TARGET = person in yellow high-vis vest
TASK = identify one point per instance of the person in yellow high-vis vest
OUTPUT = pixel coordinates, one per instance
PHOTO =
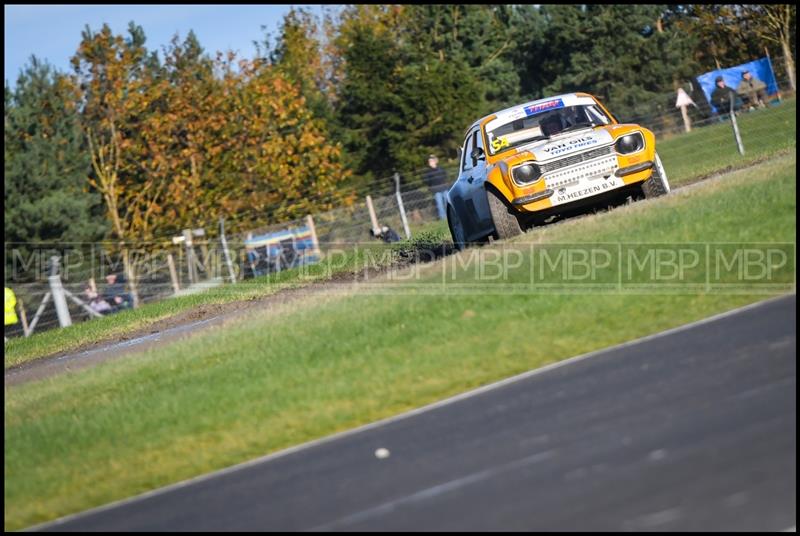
(11, 313)
(11, 305)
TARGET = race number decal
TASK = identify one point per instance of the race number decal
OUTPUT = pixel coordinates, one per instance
(499, 143)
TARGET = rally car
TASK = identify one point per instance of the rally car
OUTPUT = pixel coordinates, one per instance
(547, 159)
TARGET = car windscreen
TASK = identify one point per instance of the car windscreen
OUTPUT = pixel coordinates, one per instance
(543, 125)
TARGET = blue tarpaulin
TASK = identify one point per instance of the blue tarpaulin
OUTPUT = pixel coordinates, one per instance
(761, 69)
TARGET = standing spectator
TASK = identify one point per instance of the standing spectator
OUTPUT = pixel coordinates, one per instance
(723, 96)
(115, 293)
(11, 313)
(752, 91)
(436, 179)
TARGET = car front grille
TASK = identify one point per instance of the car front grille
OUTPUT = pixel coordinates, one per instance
(576, 159)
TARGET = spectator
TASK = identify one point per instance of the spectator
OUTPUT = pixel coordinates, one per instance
(436, 179)
(723, 96)
(115, 294)
(752, 91)
(97, 304)
(11, 313)
(386, 233)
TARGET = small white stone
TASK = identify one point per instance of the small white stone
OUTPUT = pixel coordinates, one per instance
(382, 453)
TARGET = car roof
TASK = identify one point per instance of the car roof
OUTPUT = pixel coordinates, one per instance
(519, 109)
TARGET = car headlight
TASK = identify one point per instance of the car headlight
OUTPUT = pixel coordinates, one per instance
(630, 143)
(526, 173)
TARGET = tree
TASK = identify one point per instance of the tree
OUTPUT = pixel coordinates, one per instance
(414, 77)
(119, 89)
(185, 134)
(585, 44)
(365, 97)
(776, 24)
(478, 39)
(279, 163)
(297, 54)
(47, 199)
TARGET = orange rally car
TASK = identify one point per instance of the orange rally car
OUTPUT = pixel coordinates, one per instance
(547, 159)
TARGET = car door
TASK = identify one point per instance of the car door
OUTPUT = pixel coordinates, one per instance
(468, 196)
(461, 190)
(478, 205)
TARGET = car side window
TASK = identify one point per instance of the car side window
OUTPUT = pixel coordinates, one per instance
(478, 144)
(469, 144)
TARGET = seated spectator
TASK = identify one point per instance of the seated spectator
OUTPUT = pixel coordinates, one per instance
(752, 91)
(386, 234)
(98, 304)
(115, 293)
(723, 96)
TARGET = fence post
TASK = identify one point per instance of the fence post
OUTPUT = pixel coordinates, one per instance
(81, 303)
(225, 249)
(59, 299)
(373, 217)
(39, 312)
(313, 229)
(400, 204)
(736, 130)
(187, 241)
(24, 318)
(206, 262)
(687, 124)
(173, 274)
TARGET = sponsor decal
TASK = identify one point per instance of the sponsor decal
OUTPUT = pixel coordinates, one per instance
(544, 106)
(565, 195)
(569, 145)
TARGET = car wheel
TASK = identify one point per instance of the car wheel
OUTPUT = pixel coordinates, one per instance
(657, 185)
(506, 224)
(456, 229)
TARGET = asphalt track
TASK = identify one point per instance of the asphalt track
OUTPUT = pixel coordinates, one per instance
(691, 429)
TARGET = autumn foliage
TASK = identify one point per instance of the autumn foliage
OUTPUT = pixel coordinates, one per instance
(179, 144)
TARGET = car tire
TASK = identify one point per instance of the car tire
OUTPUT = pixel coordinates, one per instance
(456, 229)
(506, 224)
(657, 185)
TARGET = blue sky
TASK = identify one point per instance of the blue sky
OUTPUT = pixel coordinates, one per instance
(54, 32)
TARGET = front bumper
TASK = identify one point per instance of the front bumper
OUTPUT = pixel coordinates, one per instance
(581, 182)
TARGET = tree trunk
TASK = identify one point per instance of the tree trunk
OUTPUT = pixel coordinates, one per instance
(130, 274)
(788, 62)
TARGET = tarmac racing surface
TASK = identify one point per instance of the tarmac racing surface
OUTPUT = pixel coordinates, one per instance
(690, 429)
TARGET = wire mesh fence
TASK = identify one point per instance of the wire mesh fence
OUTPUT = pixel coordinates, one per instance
(169, 267)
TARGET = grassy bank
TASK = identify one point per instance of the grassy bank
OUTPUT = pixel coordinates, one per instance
(686, 158)
(709, 149)
(333, 362)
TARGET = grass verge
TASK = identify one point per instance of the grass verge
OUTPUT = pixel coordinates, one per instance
(76, 441)
(22, 349)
